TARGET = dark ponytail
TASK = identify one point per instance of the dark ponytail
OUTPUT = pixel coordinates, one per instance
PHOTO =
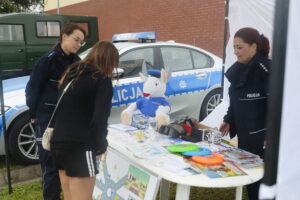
(265, 49)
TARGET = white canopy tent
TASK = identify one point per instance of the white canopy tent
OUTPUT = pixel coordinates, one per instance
(288, 178)
(286, 75)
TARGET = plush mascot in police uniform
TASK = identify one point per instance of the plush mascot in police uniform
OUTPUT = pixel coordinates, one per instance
(154, 103)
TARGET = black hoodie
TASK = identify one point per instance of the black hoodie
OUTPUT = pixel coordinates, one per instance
(248, 95)
(82, 115)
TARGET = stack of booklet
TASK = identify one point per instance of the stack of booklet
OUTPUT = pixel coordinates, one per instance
(226, 169)
(243, 158)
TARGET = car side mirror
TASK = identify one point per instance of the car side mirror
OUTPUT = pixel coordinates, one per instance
(118, 72)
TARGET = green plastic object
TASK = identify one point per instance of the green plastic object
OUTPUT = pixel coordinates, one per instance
(182, 148)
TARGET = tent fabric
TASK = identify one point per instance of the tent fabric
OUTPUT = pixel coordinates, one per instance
(257, 14)
(288, 178)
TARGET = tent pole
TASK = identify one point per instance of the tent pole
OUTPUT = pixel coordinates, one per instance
(225, 42)
(7, 159)
(276, 92)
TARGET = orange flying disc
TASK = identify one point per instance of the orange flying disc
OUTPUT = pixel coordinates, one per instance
(211, 159)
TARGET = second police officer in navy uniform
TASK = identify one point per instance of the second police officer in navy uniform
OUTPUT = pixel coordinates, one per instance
(248, 94)
(42, 93)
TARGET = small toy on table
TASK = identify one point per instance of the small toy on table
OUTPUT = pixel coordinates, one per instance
(153, 104)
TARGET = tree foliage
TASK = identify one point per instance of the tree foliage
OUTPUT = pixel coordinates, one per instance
(8, 6)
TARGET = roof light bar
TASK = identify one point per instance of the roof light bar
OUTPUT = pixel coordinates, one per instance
(144, 36)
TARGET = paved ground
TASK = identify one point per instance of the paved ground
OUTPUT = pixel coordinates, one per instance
(21, 175)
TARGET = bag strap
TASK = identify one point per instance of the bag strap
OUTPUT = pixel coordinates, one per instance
(64, 91)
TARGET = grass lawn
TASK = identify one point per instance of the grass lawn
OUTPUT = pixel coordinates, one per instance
(28, 191)
(32, 191)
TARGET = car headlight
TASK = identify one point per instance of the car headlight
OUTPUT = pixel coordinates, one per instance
(6, 108)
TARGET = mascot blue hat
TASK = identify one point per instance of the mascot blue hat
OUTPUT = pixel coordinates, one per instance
(154, 72)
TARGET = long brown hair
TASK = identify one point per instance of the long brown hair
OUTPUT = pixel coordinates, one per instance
(104, 56)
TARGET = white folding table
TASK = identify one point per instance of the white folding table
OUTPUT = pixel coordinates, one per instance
(184, 183)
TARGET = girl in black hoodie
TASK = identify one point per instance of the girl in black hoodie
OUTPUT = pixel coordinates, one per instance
(80, 130)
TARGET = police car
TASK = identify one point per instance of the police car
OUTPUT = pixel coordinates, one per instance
(193, 90)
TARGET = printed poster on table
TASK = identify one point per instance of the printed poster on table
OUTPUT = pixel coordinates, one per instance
(120, 179)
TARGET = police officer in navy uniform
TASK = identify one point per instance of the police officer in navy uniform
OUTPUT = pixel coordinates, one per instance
(42, 94)
(248, 94)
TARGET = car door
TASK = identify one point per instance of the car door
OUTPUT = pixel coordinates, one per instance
(12, 51)
(190, 78)
(129, 87)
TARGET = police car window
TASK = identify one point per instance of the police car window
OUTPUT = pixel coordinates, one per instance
(177, 58)
(201, 60)
(47, 29)
(132, 61)
(11, 32)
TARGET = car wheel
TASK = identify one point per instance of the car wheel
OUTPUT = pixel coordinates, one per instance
(22, 142)
(210, 102)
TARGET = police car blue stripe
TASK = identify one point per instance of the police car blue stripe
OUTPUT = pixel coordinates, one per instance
(125, 94)
(15, 84)
(215, 78)
(185, 84)
(8, 114)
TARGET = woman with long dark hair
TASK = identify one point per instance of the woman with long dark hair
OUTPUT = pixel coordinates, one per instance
(248, 94)
(80, 130)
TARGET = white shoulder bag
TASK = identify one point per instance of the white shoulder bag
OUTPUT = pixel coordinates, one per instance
(49, 131)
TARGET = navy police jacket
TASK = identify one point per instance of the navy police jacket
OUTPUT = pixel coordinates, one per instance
(248, 95)
(42, 88)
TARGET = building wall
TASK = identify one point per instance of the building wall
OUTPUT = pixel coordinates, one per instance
(52, 4)
(195, 22)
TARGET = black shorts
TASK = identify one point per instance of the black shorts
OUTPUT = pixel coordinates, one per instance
(75, 163)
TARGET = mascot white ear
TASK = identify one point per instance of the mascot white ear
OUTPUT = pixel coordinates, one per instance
(143, 77)
(144, 73)
(164, 76)
(153, 104)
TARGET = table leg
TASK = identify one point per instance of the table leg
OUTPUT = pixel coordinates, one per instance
(239, 193)
(183, 192)
(164, 189)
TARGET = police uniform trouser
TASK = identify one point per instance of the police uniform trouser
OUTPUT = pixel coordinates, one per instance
(51, 183)
(253, 189)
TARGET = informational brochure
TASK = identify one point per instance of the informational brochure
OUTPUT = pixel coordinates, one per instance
(146, 150)
(237, 153)
(226, 169)
(242, 158)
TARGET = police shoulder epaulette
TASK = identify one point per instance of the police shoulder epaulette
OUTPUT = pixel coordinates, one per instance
(51, 54)
(263, 67)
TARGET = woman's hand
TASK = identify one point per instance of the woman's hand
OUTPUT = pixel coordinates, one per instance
(32, 121)
(102, 157)
(224, 128)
